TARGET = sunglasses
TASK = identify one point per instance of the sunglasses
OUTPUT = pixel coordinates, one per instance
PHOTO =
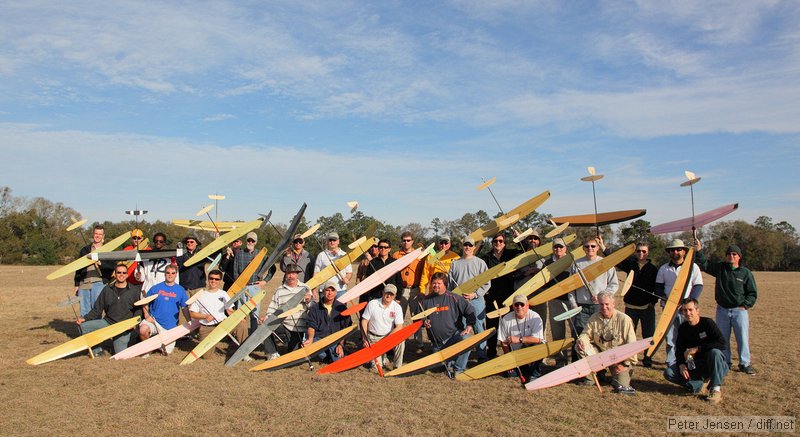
(298, 241)
(383, 247)
(333, 239)
(675, 249)
(444, 242)
(532, 237)
(136, 238)
(250, 240)
(407, 240)
(641, 251)
(214, 279)
(590, 246)
(498, 241)
(517, 305)
(121, 273)
(159, 241)
(171, 273)
(559, 247)
(468, 245)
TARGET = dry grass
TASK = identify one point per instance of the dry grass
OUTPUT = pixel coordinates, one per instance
(156, 396)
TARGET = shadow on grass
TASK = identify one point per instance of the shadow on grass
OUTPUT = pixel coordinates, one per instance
(67, 327)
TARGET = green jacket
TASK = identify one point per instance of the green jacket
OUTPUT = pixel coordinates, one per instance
(734, 287)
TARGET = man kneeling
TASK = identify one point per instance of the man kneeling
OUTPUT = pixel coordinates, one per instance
(699, 351)
(606, 329)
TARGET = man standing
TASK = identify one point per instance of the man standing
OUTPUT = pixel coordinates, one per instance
(331, 253)
(606, 329)
(382, 317)
(665, 280)
(559, 305)
(89, 281)
(192, 278)
(699, 350)
(153, 271)
(377, 263)
(363, 266)
(641, 299)
(162, 313)
(240, 263)
(522, 328)
(587, 297)
(500, 288)
(136, 240)
(115, 304)
(463, 270)
(298, 256)
(735, 292)
(441, 265)
(293, 326)
(209, 308)
(408, 288)
(450, 325)
(324, 318)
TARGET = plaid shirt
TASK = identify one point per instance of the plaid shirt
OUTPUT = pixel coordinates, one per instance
(240, 262)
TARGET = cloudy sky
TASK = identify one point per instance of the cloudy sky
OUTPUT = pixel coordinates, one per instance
(403, 106)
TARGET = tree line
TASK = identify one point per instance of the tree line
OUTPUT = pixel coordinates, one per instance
(33, 232)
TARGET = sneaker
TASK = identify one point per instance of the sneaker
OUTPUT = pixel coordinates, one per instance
(625, 390)
(715, 397)
(510, 373)
(273, 356)
(146, 356)
(583, 382)
(748, 369)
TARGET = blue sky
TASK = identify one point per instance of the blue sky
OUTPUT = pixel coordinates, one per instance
(403, 106)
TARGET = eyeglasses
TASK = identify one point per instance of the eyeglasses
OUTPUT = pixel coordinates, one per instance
(468, 244)
(383, 247)
(213, 279)
(121, 273)
(298, 241)
(250, 240)
(517, 305)
(159, 241)
(171, 273)
(407, 240)
(590, 246)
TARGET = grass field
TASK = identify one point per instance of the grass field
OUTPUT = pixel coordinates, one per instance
(155, 396)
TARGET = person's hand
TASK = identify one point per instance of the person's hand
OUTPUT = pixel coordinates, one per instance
(690, 351)
(467, 331)
(80, 320)
(684, 371)
(209, 318)
(427, 324)
(697, 245)
(228, 252)
(339, 350)
(365, 343)
(579, 346)
(308, 342)
(594, 299)
(76, 291)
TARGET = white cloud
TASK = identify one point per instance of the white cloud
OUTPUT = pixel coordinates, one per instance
(219, 117)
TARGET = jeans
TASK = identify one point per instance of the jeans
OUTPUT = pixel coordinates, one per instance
(121, 342)
(462, 359)
(89, 296)
(479, 305)
(713, 367)
(672, 336)
(739, 320)
(329, 353)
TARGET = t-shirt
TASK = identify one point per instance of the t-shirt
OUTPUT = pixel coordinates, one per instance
(165, 308)
(383, 319)
(211, 303)
(668, 274)
(530, 326)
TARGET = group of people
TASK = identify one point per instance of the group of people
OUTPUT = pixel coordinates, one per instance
(698, 348)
